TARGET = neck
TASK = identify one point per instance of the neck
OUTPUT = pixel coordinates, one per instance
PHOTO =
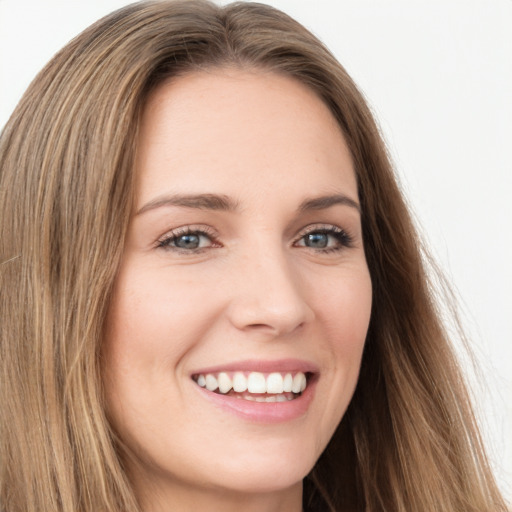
(180, 499)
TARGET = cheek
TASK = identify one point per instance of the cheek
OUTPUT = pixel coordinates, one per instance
(344, 308)
(155, 317)
(345, 316)
(152, 323)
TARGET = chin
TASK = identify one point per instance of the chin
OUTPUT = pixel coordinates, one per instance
(271, 469)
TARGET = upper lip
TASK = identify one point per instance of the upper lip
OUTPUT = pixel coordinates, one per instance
(263, 366)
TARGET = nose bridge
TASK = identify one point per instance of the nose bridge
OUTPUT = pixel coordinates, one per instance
(267, 292)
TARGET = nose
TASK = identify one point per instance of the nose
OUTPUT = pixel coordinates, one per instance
(267, 296)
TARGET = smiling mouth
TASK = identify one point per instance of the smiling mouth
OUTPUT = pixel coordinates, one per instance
(255, 386)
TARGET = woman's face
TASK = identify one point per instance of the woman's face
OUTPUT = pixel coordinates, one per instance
(244, 266)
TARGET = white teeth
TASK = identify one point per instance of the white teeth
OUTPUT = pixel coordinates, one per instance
(211, 383)
(287, 383)
(224, 383)
(256, 383)
(274, 384)
(299, 383)
(239, 382)
(271, 398)
(255, 398)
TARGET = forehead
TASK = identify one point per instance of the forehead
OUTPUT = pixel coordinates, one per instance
(227, 128)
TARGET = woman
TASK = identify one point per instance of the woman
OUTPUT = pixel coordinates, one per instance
(212, 292)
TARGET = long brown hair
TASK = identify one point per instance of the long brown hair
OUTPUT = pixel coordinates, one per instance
(408, 442)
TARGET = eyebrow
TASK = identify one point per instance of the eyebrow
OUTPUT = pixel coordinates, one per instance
(217, 202)
(199, 202)
(324, 202)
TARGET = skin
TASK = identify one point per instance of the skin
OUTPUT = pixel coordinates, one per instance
(255, 289)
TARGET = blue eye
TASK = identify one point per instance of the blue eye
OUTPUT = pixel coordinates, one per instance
(316, 240)
(325, 239)
(187, 240)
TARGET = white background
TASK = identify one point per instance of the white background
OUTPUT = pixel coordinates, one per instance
(438, 74)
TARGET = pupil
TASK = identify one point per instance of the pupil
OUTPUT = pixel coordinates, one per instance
(188, 241)
(317, 240)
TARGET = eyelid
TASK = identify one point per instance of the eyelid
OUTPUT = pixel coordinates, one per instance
(200, 229)
(345, 239)
(312, 228)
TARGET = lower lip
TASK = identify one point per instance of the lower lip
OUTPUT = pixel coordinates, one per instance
(263, 412)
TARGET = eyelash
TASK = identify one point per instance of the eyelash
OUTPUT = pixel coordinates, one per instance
(343, 239)
(167, 241)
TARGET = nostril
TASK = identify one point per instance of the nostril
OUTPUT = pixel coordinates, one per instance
(275, 329)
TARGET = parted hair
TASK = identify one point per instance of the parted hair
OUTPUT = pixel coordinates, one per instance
(408, 441)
